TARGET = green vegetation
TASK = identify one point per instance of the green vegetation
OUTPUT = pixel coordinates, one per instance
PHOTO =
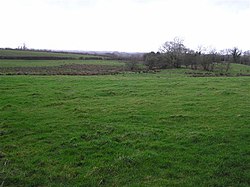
(57, 65)
(28, 53)
(234, 70)
(42, 63)
(239, 69)
(163, 129)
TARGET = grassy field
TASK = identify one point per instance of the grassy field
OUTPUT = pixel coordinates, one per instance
(61, 67)
(164, 129)
(239, 69)
(25, 53)
(42, 63)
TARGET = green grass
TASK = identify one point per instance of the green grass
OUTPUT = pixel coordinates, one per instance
(161, 129)
(239, 68)
(20, 53)
(41, 63)
(234, 69)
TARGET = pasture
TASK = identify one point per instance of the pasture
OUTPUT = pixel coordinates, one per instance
(129, 129)
(61, 67)
(50, 63)
(30, 53)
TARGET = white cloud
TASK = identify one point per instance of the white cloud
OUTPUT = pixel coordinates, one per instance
(123, 25)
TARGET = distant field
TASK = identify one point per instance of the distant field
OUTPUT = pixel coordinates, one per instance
(163, 129)
(42, 63)
(20, 53)
(234, 70)
(17, 62)
(95, 67)
(239, 69)
(60, 67)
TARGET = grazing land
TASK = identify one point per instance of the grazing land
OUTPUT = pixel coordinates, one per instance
(130, 129)
(73, 69)
(60, 67)
(49, 63)
(34, 54)
(235, 70)
(18, 62)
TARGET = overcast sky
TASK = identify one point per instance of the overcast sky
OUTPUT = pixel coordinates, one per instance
(124, 25)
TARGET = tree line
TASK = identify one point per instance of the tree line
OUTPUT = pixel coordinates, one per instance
(174, 54)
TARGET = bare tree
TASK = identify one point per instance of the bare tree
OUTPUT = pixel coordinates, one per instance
(245, 59)
(150, 60)
(23, 47)
(174, 50)
(225, 59)
(236, 53)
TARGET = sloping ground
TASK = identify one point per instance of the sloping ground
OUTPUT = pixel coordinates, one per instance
(234, 70)
(239, 69)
